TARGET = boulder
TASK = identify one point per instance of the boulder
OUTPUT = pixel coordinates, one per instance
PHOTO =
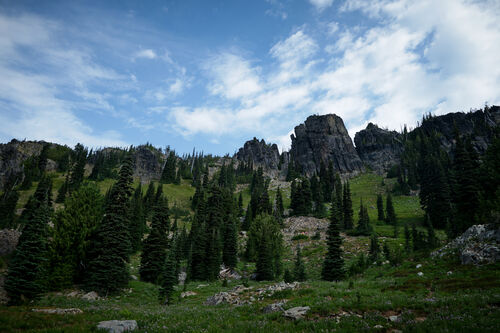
(275, 307)
(90, 296)
(480, 244)
(296, 313)
(185, 294)
(117, 326)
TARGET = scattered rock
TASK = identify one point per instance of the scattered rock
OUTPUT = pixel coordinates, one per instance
(296, 313)
(418, 266)
(480, 244)
(449, 273)
(395, 319)
(420, 274)
(117, 326)
(228, 274)
(219, 298)
(275, 307)
(188, 293)
(133, 277)
(378, 327)
(91, 296)
(73, 294)
(182, 277)
(201, 286)
(240, 295)
(59, 311)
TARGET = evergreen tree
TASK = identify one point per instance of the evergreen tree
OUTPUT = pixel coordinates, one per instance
(63, 190)
(247, 222)
(26, 276)
(230, 250)
(299, 270)
(78, 169)
(108, 271)
(8, 202)
(288, 277)
(374, 247)
(169, 171)
(348, 212)
(380, 207)
(197, 236)
(240, 205)
(338, 194)
(364, 227)
(74, 228)
(407, 238)
(155, 245)
(333, 265)
(431, 236)
(264, 265)
(168, 278)
(137, 219)
(390, 214)
(149, 199)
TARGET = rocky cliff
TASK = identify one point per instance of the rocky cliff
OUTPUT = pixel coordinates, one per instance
(480, 125)
(322, 139)
(378, 148)
(148, 163)
(260, 153)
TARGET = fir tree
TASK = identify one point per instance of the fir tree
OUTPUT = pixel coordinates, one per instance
(137, 219)
(168, 278)
(63, 190)
(431, 236)
(380, 207)
(26, 275)
(374, 247)
(338, 194)
(264, 265)
(407, 238)
(154, 246)
(288, 277)
(197, 236)
(230, 249)
(390, 214)
(279, 202)
(348, 212)
(299, 270)
(168, 175)
(240, 205)
(8, 202)
(108, 271)
(78, 169)
(74, 228)
(149, 199)
(333, 265)
(364, 227)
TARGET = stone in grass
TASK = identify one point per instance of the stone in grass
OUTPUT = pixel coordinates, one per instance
(90, 296)
(187, 294)
(296, 313)
(59, 311)
(117, 326)
(420, 274)
(418, 266)
(378, 327)
(395, 319)
(275, 307)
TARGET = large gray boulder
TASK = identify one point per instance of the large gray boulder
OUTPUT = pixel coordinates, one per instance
(118, 326)
(296, 313)
(324, 139)
(480, 244)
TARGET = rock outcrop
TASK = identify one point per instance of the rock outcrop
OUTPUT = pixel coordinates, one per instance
(480, 244)
(148, 163)
(480, 125)
(378, 148)
(117, 326)
(8, 241)
(322, 139)
(261, 154)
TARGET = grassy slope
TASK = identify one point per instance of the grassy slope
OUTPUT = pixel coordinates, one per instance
(466, 300)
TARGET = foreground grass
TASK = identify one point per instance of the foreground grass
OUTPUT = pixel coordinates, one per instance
(466, 300)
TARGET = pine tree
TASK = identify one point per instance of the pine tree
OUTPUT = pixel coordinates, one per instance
(240, 205)
(407, 238)
(348, 212)
(168, 175)
(287, 277)
(333, 265)
(374, 248)
(26, 276)
(108, 271)
(338, 194)
(137, 219)
(264, 265)
(197, 236)
(78, 169)
(265, 229)
(230, 249)
(390, 214)
(149, 199)
(299, 270)
(8, 202)
(431, 235)
(364, 227)
(168, 278)
(155, 245)
(380, 207)
(74, 228)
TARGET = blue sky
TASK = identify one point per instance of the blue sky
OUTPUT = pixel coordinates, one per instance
(213, 74)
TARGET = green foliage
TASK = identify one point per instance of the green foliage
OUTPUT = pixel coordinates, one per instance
(8, 202)
(168, 278)
(380, 207)
(348, 222)
(74, 228)
(363, 227)
(333, 265)
(288, 277)
(26, 277)
(108, 271)
(300, 237)
(79, 158)
(137, 219)
(168, 175)
(301, 197)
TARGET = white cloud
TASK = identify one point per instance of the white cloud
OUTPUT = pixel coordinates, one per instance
(232, 76)
(177, 87)
(32, 106)
(321, 4)
(146, 54)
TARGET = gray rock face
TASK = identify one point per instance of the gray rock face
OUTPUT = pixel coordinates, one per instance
(378, 148)
(297, 312)
(480, 244)
(322, 139)
(148, 163)
(8, 241)
(117, 326)
(261, 154)
(479, 124)
(13, 155)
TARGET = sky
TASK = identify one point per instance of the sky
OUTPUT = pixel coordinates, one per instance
(212, 74)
